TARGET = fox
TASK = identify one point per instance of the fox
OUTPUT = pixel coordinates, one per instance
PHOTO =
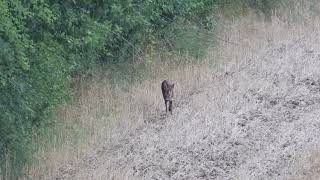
(167, 92)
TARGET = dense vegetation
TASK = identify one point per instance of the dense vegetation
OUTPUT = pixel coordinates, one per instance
(45, 43)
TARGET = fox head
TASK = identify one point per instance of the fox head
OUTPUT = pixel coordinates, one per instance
(170, 92)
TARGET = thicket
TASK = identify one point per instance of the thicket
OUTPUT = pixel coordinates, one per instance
(45, 43)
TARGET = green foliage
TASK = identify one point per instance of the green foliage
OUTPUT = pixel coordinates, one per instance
(32, 75)
(44, 43)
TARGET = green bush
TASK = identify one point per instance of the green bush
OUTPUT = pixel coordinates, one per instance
(37, 59)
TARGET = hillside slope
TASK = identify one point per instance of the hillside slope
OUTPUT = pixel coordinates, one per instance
(256, 118)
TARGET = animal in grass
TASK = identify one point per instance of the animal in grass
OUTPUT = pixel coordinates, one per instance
(167, 92)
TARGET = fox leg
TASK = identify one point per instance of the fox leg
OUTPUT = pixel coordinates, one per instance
(165, 103)
(170, 106)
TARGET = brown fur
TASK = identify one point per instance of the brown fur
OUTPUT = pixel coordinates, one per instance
(167, 92)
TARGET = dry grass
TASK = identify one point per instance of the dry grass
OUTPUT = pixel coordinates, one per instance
(307, 167)
(254, 38)
(104, 111)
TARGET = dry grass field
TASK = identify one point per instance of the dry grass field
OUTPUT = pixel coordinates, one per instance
(250, 110)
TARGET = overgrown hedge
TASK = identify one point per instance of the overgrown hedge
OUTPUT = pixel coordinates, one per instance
(44, 43)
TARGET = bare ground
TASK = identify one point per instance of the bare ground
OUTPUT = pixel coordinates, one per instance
(256, 118)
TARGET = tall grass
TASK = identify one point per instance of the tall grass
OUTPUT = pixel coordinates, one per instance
(107, 106)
